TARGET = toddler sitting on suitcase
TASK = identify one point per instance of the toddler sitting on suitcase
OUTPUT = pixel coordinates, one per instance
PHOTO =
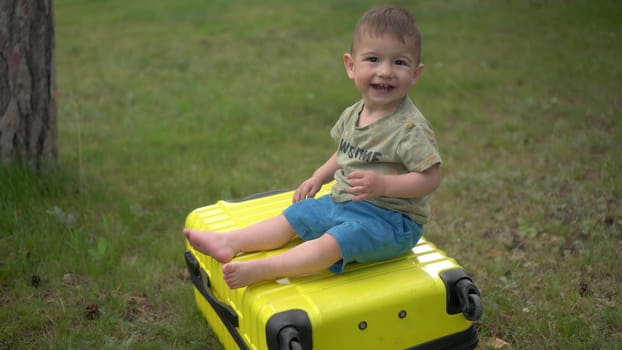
(385, 166)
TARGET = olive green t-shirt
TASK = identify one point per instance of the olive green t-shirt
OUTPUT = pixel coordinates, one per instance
(397, 144)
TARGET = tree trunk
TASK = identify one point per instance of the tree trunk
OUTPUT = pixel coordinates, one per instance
(27, 83)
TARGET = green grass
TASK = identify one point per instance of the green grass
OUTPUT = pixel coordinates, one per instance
(166, 106)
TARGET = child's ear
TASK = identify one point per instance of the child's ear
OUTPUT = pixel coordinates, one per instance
(348, 62)
(417, 73)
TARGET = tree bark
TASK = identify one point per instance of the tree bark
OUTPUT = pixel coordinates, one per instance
(28, 106)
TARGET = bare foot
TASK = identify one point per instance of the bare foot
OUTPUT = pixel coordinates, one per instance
(213, 244)
(242, 274)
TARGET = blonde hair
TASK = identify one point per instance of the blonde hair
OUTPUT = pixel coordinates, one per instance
(389, 20)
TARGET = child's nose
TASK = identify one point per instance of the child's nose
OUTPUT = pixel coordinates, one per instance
(384, 70)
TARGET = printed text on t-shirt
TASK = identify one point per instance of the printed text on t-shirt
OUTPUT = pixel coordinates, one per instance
(355, 152)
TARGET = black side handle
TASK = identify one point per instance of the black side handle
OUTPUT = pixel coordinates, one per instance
(260, 195)
(201, 281)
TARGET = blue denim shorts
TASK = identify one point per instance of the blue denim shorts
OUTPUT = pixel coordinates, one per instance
(364, 232)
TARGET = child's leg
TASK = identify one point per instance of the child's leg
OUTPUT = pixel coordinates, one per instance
(308, 257)
(269, 234)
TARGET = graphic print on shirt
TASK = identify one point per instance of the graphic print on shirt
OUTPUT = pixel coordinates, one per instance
(355, 152)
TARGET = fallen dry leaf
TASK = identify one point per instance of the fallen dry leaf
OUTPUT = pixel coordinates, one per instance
(493, 253)
(91, 312)
(497, 343)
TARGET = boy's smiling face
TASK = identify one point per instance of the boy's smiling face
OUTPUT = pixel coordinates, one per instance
(383, 69)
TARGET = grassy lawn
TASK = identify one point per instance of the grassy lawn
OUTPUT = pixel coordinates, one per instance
(169, 105)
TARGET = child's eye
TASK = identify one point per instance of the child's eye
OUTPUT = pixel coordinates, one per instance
(401, 62)
(372, 59)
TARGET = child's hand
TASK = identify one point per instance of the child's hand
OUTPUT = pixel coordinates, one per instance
(307, 189)
(365, 185)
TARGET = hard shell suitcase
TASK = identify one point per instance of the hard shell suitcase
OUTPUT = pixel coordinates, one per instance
(422, 300)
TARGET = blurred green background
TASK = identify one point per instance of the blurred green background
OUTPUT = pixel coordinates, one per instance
(166, 106)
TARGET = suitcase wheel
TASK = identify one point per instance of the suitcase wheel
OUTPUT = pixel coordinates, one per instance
(289, 330)
(289, 339)
(470, 300)
(462, 294)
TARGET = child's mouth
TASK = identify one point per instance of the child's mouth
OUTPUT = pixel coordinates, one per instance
(382, 87)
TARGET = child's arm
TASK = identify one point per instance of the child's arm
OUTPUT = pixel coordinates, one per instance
(367, 184)
(322, 175)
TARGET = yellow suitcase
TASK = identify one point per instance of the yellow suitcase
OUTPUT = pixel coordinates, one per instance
(422, 300)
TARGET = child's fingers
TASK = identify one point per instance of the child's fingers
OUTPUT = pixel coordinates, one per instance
(355, 175)
(303, 192)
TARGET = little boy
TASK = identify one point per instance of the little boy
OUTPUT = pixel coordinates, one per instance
(386, 164)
